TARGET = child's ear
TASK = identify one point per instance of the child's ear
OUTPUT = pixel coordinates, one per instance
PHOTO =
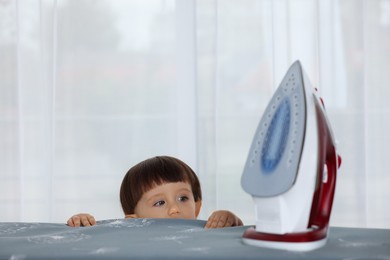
(131, 216)
(198, 205)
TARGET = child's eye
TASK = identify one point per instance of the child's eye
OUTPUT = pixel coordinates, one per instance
(159, 203)
(183, 198)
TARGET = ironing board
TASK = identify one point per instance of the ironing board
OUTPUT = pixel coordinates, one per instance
(171, 239)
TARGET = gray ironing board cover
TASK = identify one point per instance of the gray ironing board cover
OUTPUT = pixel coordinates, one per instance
(171, 239)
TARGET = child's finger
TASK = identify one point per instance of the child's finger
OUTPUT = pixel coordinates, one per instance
(70, 222)
(91, 220)
(211, 222)
(88, 220)
(239, 222)
(74, 221)
(216, 221)
(229, 221)
(85, 221)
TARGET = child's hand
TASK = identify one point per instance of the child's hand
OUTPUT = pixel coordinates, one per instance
(223, 218)
(81, 220)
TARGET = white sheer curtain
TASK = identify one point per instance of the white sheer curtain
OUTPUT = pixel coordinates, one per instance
(89, 88)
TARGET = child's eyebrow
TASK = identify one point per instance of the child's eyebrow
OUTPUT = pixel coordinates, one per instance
(186, 189)
(161, 194)
(153, 197)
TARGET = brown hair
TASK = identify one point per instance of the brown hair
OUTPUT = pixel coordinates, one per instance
(152, 172)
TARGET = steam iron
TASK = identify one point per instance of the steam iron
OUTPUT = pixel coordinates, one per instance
(291, 169)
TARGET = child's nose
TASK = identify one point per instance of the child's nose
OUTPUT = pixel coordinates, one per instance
(173, 209)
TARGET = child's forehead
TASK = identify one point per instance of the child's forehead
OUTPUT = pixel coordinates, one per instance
(163, 182)
(155, 184)
(168, 187)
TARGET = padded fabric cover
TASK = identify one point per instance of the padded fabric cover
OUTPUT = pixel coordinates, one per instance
(171, 239)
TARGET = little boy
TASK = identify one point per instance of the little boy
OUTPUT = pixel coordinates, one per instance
(162, 187)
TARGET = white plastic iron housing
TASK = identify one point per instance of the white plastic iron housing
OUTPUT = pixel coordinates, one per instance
(291, 169)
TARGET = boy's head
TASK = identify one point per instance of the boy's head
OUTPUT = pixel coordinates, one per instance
(153, 172)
